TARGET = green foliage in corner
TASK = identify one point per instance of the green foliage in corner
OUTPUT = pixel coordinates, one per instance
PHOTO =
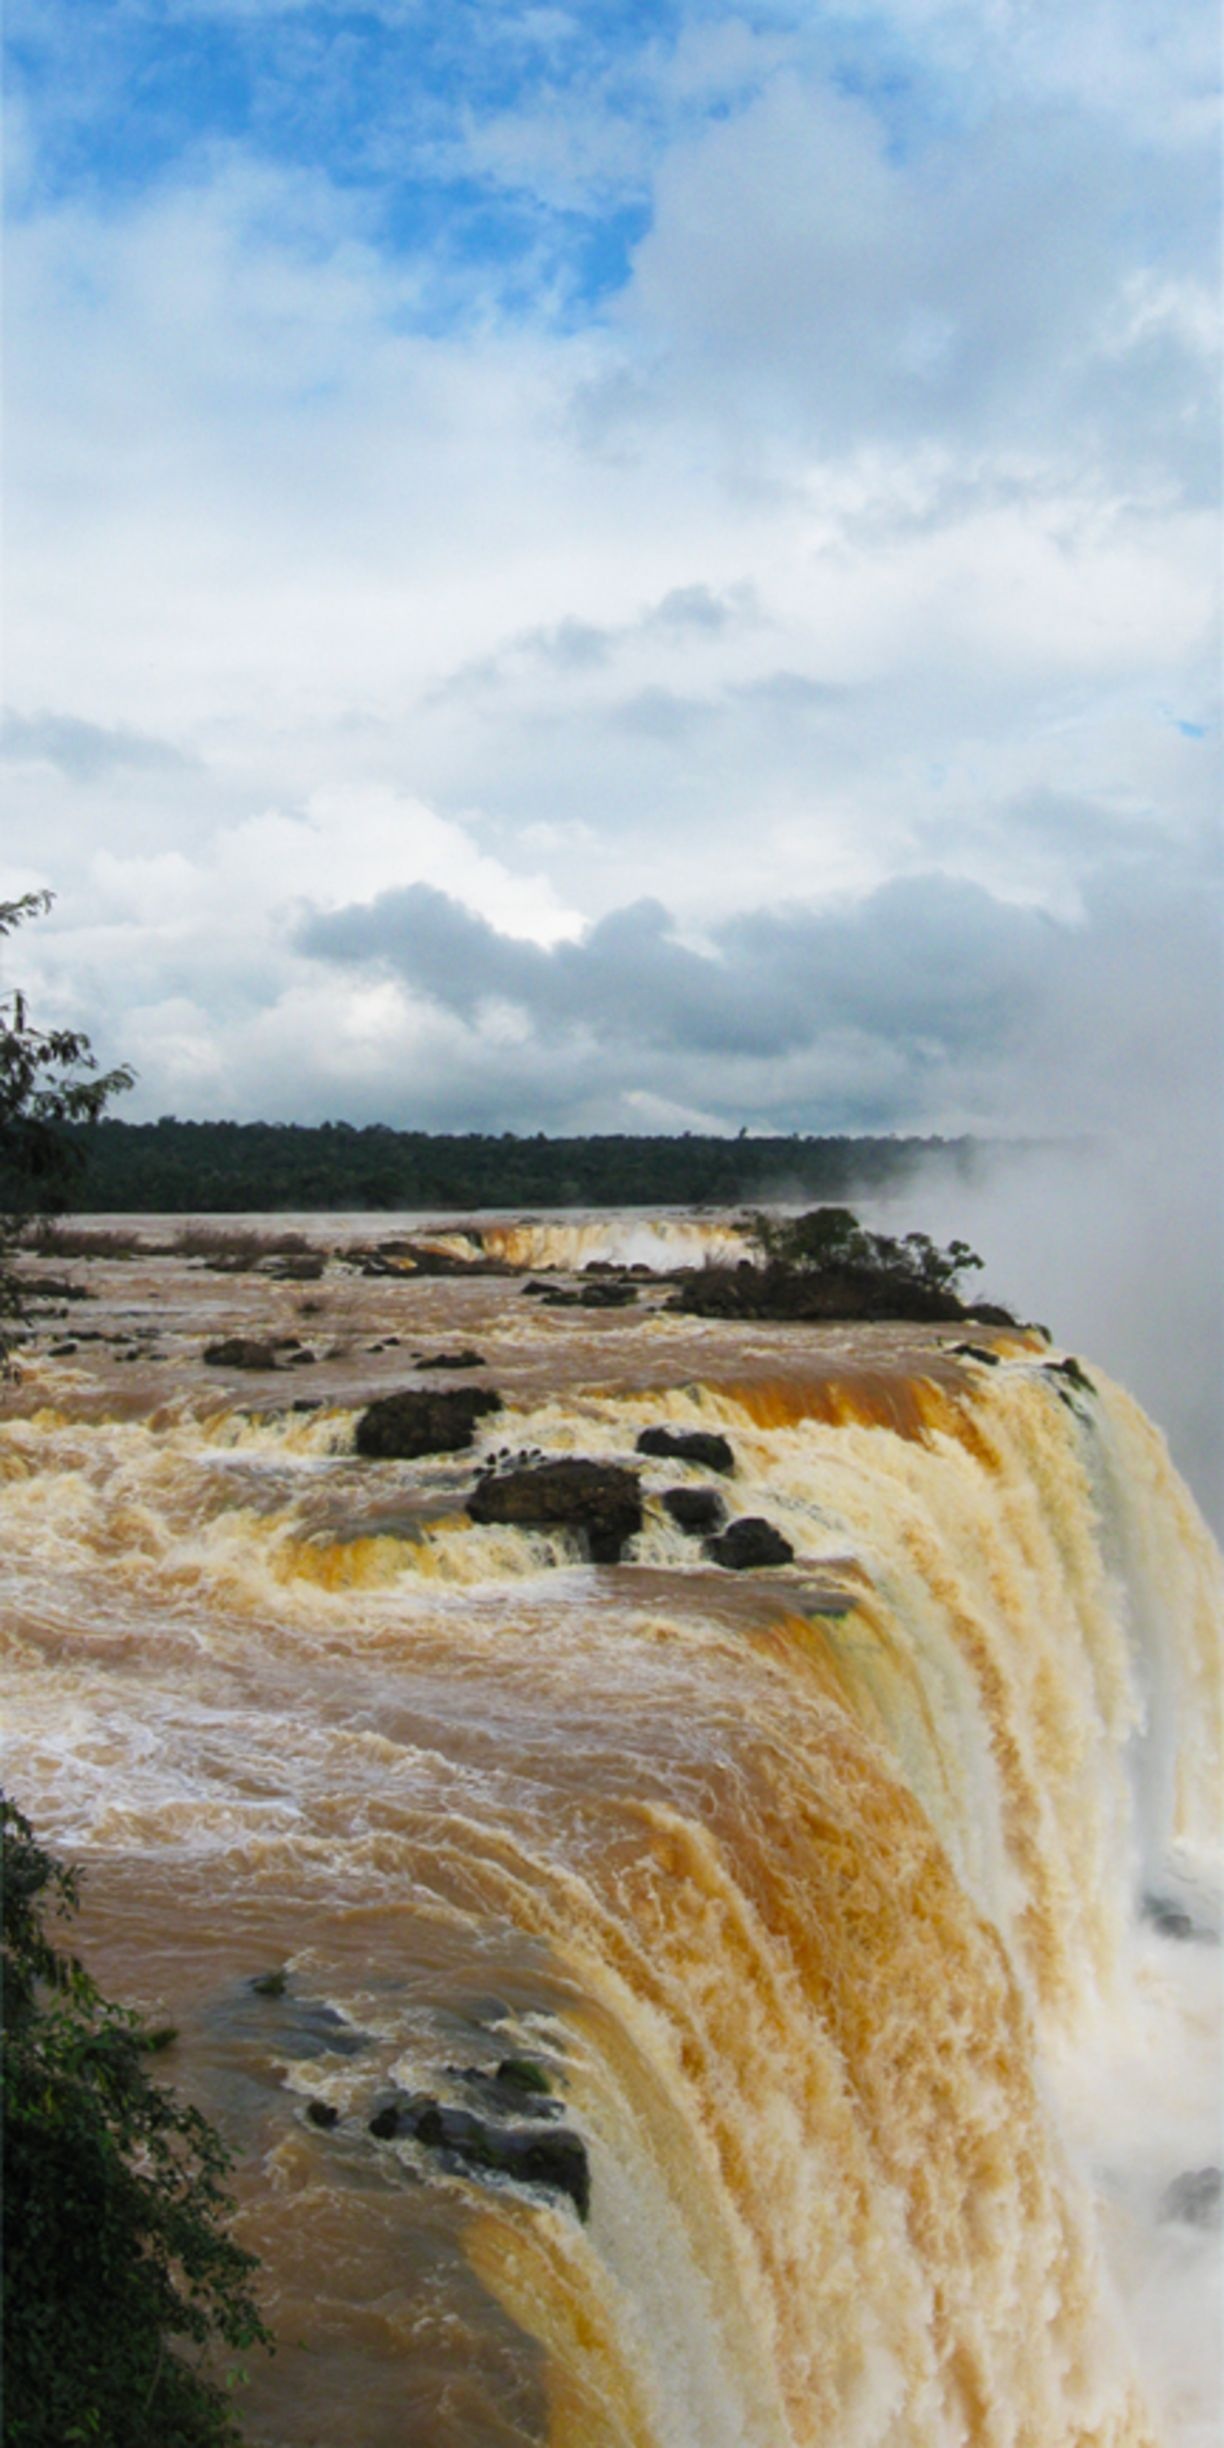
(118, 2271)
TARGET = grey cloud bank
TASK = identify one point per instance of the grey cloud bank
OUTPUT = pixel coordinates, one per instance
(929, 1003)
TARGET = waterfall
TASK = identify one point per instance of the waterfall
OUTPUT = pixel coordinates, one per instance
(861, 1910)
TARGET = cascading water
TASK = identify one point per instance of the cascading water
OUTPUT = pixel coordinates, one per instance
(859, 1911)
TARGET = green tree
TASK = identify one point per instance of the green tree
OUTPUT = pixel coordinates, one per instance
(832, 1240)
(115, 2251)
(49, 1080)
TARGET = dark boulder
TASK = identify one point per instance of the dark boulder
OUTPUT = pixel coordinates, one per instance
(601, 1500)
(747, 1543)
(505, 2094)
(402, 1427)
(240, 1351)
(699, 1445)
(1072, 1370)
(395, 2115)
(591, 1296)
(557, 2161)
(526, 2074)
(322, 2113)
(697, 1510)
(427, 1261)
(450, 1360)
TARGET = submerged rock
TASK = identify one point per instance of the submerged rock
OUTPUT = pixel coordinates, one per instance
(1171, 1918)
(402, 1427)
(600, 1500)
(1195, 2198)
(701, 1445)
(747, 1543)
(299, 2027)
(241, 1351)
(694, 1509)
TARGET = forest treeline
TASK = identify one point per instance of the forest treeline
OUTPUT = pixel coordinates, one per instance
(171, 1167)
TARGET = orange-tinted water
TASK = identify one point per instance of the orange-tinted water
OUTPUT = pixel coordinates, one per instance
(810, 1885)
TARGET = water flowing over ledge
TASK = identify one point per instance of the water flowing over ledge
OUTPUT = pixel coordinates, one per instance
(862, 1910)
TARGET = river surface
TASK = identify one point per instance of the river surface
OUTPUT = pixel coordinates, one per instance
(861, 1913)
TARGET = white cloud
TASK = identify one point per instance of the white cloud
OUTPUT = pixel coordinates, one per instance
(861, 535)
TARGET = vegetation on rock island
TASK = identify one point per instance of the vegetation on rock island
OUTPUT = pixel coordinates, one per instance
(121, 2282)
(826, 1265)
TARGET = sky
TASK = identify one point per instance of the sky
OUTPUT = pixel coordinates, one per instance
(620, 566)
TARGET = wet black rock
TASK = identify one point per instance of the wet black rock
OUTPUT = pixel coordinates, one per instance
(505, 2094)
(700, 1445)
(391, 2116)
(976, 1351)
(600, 1500)
(240, 1351)
(269, 1984)
(1073, 1371)
(1195, 2198)
(697, 1510)
(748, 1543)
(401, 1427)
(321, 2112)
(452, 1360)
(591, 1296)
(526, 2074)
(554, 2160)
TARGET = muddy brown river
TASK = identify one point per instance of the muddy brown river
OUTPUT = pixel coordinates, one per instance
(857, 1911)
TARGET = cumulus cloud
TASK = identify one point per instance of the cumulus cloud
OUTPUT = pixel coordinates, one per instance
(664, 574)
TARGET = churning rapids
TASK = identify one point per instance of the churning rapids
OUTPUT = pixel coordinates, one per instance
(858, 1910)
